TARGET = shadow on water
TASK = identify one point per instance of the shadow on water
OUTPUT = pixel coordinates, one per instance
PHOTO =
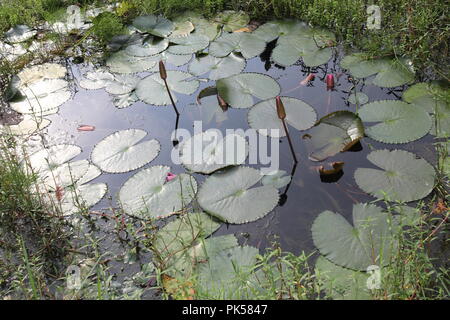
(301, 201)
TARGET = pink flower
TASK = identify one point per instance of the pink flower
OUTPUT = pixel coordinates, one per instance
(330, 81)
(170, 176)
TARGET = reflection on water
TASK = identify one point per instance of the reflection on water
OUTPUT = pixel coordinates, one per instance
(300, 202)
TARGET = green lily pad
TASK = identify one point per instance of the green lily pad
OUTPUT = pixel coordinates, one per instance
(232, 20)
(29, 125)
(125, 100)
(188, 45)
(432, 98)
(148, 194)
(43, 97)
(341, 283)
(79, 198)
(229, 196)
(218, 68)
(122, 152)
(246, 43)
(98, 79)
(19, 33)
(151, 46)
(396, 121)
(263, 116)
(238, 91)
(155, 25)
(401, 177)
(223, 276)
(277, 179)
(182, 29)
(358, 98)
(368, 242)
(122, 84)
(152, 89)
(335, 133)
(121, 62)
(206, 152)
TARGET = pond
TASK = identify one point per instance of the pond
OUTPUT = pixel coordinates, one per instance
(90, 116)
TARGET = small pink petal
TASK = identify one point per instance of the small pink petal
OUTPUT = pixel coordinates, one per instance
(85, 128)
(309, 78)
(170, 176)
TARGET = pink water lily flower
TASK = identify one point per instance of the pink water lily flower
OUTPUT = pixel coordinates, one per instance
(170, 176)
(330, 81)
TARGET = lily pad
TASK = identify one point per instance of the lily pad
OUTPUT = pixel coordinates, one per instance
(207, 152)
(77, 199)
(41, 72)
(188, 45)
(229, 196)
(368, 242)
(277, 179)
(341, 283)
(238, 91)
(148, 194)
(152, 89)
(151, 46)
(19, 33)
(121, 62)
(397, 121)
(155, 25)
(247, 44)
(335, 133)
(223, 276)
(122, 84)
(232, 20)
(358, 98)
(218, 68)
(98, 79)
(182, 29)
(263, 116)
(29, 125)
(432, 98)
(125, 100)
(122, 152)
(401, 177)
(43, 97)
(389, 72)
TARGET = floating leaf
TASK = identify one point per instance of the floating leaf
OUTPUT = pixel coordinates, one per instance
(152, 90)
(82, 197)
(43, 97)
(232, 20)
(121, 62)
(122, 152)
(96, 80)
(125, 100)
(182, 29)
(224, 275)
(218, 68)
(401, 177)
(358, 98)
(341, 283)
(397, 121)
(229, 196)
(122, 84)
(263, 115)
(396, 73)
(335, 133)
(369, 241)
(207, 152)
(277, 179)
(179, 243)
(238, 90)
(155, 25)
(151, 46)
(432, 98)
(247, 44)
(148, 194)
(19, 33)
(390, 73)
(202, 26)
(40, 72)
(29, 125)
(188, 45)
(317, 57)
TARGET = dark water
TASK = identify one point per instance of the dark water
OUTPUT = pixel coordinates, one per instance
(307, 196)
